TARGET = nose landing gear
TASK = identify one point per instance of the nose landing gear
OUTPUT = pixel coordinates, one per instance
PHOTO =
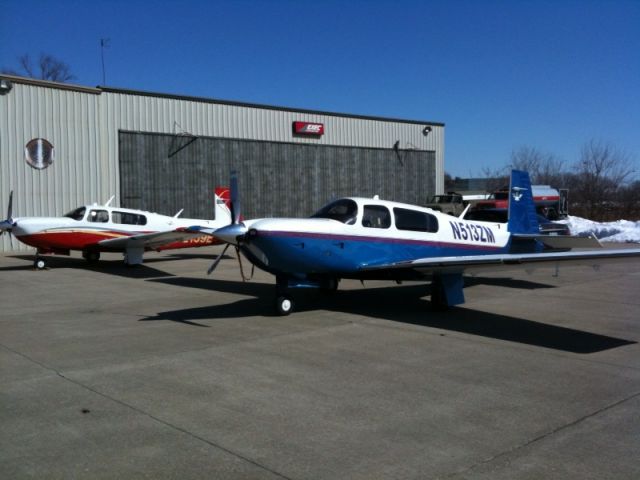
(39, 263)
(284, 305)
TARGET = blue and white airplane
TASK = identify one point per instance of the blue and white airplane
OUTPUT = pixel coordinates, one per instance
(373, 239)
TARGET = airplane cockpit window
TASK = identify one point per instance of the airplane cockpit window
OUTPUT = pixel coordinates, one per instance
(416, 221)
(77, 214)
(127, 218)
(376, 216)
(101, 216)
(344, 211)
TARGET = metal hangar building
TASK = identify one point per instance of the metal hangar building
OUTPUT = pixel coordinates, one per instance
(65, 145)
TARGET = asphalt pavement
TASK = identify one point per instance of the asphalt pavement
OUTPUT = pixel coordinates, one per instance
(161, 371)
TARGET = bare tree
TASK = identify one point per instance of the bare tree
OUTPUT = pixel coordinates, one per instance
(496, 178)
(544, 168)
(600, 183)
(46, 68)
(600, 175)
(630, 200)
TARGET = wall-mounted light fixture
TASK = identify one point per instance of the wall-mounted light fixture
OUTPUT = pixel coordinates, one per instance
(5, 86)
(426, 130)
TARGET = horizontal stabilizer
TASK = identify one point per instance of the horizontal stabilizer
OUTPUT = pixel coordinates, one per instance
(564, 241)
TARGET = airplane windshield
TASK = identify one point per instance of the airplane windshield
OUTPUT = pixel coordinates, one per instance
(344, 211)
(77, 214)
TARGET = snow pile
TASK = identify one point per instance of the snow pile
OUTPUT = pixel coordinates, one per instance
(620, 231)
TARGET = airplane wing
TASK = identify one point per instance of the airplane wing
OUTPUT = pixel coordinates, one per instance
(486, 263)
(198, 230)
(149, 240)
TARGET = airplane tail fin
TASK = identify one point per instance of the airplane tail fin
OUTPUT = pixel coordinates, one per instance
(522, 211)
(223, 205)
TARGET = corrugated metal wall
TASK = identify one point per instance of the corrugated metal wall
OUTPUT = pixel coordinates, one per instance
(152, 113)
(84, 126)
(68, 120)
(163, 173)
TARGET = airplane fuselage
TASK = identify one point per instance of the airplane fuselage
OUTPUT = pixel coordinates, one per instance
(379, 232)
(59, 235)
(368, 238)
(86, 227)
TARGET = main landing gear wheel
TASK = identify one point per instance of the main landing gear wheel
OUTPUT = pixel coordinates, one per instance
(39, 263)
(284, 305)
(91, 256)
(329, 286)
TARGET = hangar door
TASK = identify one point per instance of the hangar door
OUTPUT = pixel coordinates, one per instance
(164, 173)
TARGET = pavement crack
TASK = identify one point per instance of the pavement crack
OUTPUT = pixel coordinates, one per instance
(540, 437)
(149, 415)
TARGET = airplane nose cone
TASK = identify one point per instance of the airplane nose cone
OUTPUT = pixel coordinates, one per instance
(231, 233)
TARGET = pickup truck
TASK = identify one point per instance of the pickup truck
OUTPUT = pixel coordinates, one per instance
(454, 203)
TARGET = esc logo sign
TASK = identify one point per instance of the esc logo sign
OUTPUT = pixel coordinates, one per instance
(308, 129)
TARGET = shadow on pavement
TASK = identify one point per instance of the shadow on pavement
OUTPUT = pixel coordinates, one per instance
(403, 304)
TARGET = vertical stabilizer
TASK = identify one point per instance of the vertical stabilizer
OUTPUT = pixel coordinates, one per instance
(522, 211)
(222, 205)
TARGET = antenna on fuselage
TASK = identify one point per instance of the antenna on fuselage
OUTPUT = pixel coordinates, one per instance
(109, 201)
(461, 216)
(178, 214)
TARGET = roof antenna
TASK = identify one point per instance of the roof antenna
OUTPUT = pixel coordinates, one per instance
(104, 43)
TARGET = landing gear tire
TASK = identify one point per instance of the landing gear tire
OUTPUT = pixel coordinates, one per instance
(329, 286)
(39, 263)
(284, 305)
(91, 257)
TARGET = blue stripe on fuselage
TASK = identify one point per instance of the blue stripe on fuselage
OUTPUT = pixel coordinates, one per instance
(302, 252)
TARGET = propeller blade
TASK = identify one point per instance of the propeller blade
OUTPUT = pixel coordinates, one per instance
(217, 260)
(8, 223)
(10, 208)
(240, 263)
(235, 198)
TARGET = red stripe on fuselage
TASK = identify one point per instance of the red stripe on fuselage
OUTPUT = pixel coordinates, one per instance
(90, 239)
(69, 239)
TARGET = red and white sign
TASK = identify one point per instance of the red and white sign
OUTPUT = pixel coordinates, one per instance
(306, 128)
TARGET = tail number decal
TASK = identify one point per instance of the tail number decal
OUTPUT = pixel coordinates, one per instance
(469, 231)
(202, 240)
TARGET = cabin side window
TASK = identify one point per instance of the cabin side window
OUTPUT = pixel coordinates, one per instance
(376, 216)
(127, 218)
(344, 211)
(100, 216)
(415, 221)
(77, 214)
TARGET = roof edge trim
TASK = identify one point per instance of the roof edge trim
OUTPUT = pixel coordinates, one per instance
(50, 84)
(124, 91)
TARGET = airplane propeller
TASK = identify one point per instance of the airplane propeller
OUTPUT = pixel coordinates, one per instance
(232, 233)
(8, 224)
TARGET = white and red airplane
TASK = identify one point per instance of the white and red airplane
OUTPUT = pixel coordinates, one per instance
(95, 228)
(373, 239)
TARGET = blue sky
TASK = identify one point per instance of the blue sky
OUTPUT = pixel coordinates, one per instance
(547, 74)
